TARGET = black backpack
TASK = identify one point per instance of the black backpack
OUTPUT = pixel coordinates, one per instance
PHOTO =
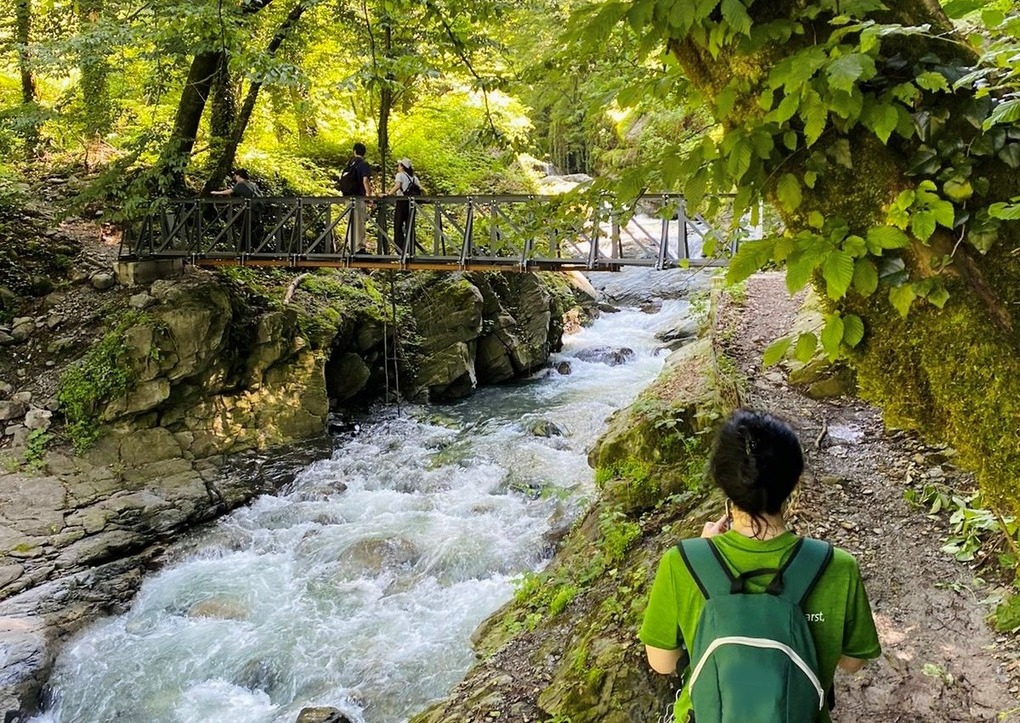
(413, 188)
(350, 182)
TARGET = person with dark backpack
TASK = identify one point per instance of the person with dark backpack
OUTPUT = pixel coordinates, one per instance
(405, 183)
(755, 617)
(356, 180)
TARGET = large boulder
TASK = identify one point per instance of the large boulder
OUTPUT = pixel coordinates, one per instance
(448, 318)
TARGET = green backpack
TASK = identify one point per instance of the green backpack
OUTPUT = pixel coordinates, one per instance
(753, 658)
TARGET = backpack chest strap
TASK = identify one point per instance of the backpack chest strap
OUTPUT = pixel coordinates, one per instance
(793, 582)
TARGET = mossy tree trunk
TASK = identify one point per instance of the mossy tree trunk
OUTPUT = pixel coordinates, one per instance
(23, 31)
(94, 71)
(227, 153)
(954, 373)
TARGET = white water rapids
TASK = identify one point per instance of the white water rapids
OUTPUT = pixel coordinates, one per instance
(359, 585)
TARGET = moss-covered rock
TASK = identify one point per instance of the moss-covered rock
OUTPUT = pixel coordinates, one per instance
(642, 456)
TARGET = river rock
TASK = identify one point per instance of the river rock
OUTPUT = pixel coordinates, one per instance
(322, 715)
(37, 418)
(12, 409)
(23, 329)
(346, 376)
(375, 555)
(102, 281)
(545, 428)
(141, 301)
(606, 355)
(220, 608)
(60, 345)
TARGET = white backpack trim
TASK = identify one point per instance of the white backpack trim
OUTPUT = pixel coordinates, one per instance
(760, 643)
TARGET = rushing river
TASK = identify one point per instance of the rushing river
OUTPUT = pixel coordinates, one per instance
(359, 585)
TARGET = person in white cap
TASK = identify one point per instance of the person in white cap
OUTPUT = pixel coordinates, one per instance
(405, 183)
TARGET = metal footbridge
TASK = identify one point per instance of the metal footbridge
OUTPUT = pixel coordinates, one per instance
(476, 233)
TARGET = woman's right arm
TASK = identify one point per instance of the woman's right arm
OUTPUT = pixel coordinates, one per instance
(662, 661)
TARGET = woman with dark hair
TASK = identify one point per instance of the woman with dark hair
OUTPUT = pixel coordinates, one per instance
(403, 181)
(756, 461)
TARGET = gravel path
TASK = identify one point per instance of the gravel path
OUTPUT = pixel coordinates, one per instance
(941, 661)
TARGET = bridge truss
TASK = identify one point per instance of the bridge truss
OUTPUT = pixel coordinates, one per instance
(500, 232)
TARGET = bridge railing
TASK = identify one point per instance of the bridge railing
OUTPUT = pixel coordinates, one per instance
(521, 231)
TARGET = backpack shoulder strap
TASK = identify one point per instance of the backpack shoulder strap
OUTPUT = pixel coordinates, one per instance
(707, 567)
(804, 568)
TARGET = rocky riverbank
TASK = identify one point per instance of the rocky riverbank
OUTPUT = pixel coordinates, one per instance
(130, 415)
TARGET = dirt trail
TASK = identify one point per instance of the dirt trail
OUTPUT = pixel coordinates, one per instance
(941, 661)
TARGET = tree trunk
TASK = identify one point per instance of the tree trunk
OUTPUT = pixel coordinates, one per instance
(23, 19)
(385, 106)
(223, 113)
(94, 71)
(174, 159)
(229, 153)
(304, 114)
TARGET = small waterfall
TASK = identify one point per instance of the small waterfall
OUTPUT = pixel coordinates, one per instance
(359, 585)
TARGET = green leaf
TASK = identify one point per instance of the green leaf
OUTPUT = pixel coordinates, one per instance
(815, 116)
(799, 267)
(776, 350)
(788, 192)
(1006, 112)
(957, 9)
(845, 71)
(838, 271)
(944, 212)
(901, 297)
(787, 108)
(805, 349)
(922, 225)
(750, 257)
(882, 119)
(865, 277)
(735, 15)
(853, 330)
(832, 335)
(886, 237)
(739, 159)
(1005, 211)
(958, 189)
(1010, 155)
(855, 246)
(932, 81)
(694, 188)
(938, 296)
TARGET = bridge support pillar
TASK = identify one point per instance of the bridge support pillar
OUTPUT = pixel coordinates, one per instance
(143, 273)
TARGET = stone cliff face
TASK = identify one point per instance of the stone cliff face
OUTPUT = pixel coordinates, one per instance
(211, 370)
(486, 328)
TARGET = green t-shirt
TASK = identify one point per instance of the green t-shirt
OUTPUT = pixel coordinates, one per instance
(837, 609)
